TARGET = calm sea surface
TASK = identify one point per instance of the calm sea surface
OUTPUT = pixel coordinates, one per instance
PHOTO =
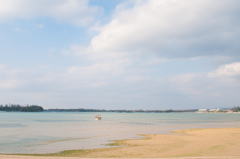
(50, 132)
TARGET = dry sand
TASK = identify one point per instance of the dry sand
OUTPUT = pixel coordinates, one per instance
(222, 143)
(28, 157)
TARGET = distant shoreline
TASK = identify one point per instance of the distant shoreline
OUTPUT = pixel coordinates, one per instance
(122, 112)
(36, 108)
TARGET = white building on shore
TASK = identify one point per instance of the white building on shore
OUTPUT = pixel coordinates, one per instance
(203, 110)
(214, 110)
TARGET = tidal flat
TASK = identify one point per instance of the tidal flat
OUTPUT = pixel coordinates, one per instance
(78, 134)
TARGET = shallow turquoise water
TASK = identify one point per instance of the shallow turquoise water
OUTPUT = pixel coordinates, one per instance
(49, 132)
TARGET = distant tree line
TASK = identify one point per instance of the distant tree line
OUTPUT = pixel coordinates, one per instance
(120, 111)
(36, 108)
(77, 110)
(236, 109)
(20, 108)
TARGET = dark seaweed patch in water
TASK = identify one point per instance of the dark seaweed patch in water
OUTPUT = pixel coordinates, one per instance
(21, 145)
(137, 123)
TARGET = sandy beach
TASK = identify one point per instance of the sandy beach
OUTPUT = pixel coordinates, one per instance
(191, 143)
(27, 157)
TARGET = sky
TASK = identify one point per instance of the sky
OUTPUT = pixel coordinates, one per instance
(121, 54)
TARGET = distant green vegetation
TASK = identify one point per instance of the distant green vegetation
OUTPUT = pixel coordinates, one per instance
(122, 111)
(236, 109)
(19, 108)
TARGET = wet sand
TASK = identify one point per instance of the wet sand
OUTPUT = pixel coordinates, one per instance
(192, 143)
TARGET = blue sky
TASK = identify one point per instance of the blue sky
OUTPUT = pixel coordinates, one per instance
(137, 54)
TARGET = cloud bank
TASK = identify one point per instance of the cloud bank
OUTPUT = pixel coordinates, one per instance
(172, 29)
(152, 54)
(73, 11)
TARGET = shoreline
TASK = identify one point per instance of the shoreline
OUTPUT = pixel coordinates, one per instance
(188, 143)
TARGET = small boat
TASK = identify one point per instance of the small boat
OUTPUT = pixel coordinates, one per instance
(98, 117)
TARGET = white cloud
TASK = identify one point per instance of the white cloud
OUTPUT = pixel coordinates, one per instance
(194, 84)
(40, 26)
(9, 78)
(74, 50)
(97, 74)
(227, 70)
(135, 79)
(220, 81)
(9, 84)
(20, 30)
(121, 84)
(200, 90)
(171, 29)
(74, 11)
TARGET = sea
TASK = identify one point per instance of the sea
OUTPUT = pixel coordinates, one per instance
(52, 132)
